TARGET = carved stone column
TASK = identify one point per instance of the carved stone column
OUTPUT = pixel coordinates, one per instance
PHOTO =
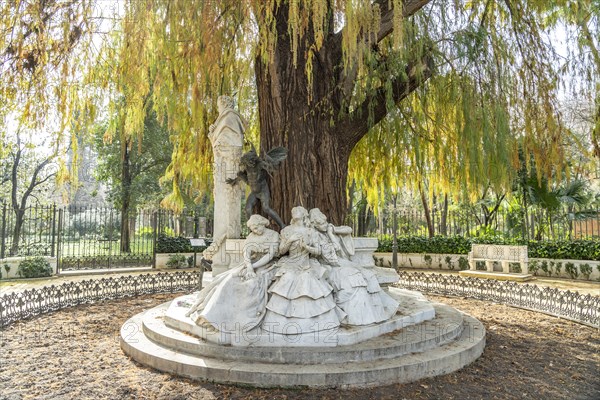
(227, 137)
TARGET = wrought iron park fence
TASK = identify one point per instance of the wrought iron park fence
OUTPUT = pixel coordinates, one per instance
(36, 233)
(566, 224)
(88, 237)
(25, 304)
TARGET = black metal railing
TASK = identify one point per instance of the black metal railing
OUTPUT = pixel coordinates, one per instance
(565, 224)
(32, 233)
(20, 305)
(91, 237)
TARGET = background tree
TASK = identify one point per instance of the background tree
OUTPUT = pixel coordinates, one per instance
(25, 173)
(132, 168)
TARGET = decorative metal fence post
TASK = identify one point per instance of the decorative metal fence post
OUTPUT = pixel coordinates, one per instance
(154, 236)
(110, 237)
(3, 232)
(53, 234)
(58, 240)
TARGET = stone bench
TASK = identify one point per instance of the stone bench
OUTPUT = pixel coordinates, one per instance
(505, 254)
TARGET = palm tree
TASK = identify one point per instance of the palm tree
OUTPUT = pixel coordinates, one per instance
(547, 204)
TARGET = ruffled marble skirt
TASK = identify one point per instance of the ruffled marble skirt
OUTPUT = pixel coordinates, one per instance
(301, 301)
(359, 294)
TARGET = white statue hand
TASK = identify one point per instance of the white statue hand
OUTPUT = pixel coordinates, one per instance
(294, 237)
(301, 243)
(250, 272)
(244, 271)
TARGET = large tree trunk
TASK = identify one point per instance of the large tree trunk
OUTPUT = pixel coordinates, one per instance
(315, 172)
(297, 113)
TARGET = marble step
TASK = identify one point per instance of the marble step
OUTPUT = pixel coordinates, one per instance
(445, 327)
(440, 360)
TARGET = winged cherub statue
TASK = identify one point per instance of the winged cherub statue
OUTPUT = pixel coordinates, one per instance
(254, 171)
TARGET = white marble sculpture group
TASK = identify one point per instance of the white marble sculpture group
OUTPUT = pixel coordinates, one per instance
(303, 278)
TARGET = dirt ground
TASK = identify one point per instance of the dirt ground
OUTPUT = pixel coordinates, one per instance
(75, 354)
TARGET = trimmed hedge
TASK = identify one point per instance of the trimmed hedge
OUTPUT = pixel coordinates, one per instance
(36, 267)
(169, 244)
(559, 249)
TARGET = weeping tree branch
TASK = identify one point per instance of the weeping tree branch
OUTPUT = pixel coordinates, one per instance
(346, 78)
(386, 26)
(351, 129)
(11, 51)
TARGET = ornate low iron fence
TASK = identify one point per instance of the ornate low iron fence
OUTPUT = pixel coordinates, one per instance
(580, 308)
(573, 306)
(33, 302)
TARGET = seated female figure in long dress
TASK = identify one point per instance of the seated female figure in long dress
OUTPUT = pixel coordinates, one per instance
(301, 300)
(235, 300)
(356, 289)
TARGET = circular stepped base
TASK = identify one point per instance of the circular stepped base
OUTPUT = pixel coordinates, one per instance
(438, 346)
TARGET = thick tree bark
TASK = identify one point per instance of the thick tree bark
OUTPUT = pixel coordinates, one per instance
(298, 114)
(316, 170)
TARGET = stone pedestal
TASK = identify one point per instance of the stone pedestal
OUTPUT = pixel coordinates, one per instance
(230, 255)
(227, 137)
(228, 201)
(363, 251)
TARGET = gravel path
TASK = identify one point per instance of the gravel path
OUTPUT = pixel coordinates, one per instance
(75, 354)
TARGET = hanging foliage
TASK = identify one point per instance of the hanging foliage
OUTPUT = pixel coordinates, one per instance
(445, 89)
